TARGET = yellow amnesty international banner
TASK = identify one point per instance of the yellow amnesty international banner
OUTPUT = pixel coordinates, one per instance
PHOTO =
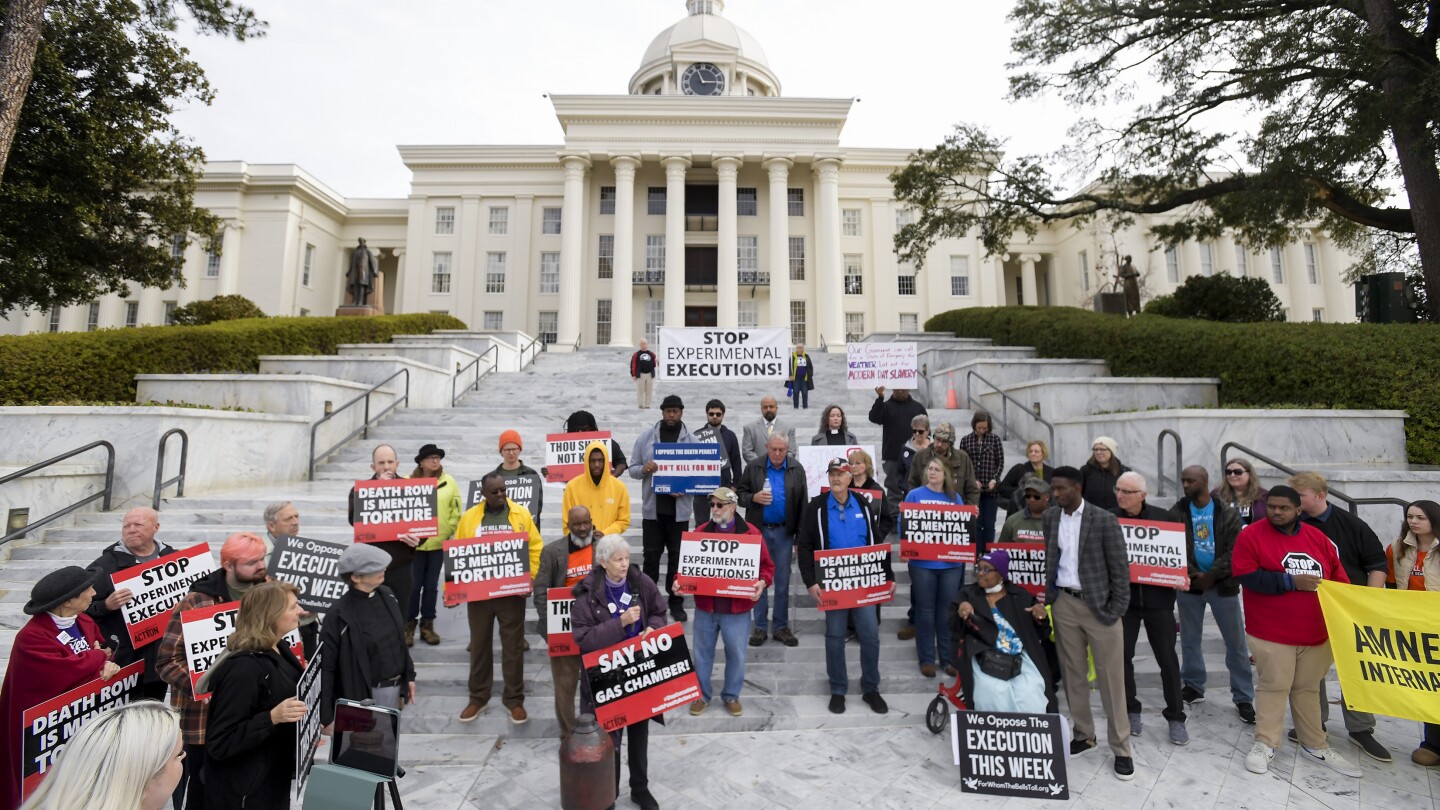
(1387, 648)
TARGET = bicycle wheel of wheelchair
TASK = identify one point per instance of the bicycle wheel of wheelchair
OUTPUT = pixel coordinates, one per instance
(937, 715)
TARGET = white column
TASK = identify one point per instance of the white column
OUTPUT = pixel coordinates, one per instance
(621, 295)
(229, 259)
(675, 167)
(399, 282)
(779, 169)
(572, 247)
(728, 261)
(827, 229)
(467, 280)
(1028, 289)
(1299, 280)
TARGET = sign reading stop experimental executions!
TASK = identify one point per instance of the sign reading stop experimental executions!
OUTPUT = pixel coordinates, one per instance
(1157, 552)
(852, 577)
(206, 633)
(158, 586)
(711, 355)
(1010, 754)
(638, 679)
(490, 566)
(386, 509)
(47, 727)
(718, 564)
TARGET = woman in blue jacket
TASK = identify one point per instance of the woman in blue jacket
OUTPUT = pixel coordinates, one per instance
(933, 585)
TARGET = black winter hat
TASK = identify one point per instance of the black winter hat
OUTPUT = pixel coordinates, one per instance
(672, 401)
(428, 450)
(58, 587)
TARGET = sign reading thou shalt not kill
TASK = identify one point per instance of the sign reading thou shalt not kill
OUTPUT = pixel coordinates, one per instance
(565, 454)
(558, 632)
(386, 509)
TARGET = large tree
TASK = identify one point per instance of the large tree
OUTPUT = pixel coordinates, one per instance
(1343, 95)
(98, 182)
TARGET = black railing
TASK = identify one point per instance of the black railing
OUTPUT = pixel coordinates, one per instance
(702, 223)
(479, 375)
(1353, 503)
(1005, 399)
(103, 495)
(648, 277)
(179, 480)
(1160, 461)
(755, 278)
(364, 428)
(536, 344)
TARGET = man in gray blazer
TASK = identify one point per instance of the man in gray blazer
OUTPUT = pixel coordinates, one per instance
(1087, 583)
(757, 433)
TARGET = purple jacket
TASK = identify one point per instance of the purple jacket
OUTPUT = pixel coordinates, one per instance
(593, 626)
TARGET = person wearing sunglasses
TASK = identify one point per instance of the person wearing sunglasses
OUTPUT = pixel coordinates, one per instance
(1000, 626)
(1240, 490)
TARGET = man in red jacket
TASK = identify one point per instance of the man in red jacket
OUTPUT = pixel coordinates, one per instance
(724, 617)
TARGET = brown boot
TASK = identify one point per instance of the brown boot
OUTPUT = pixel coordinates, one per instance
(409, 634)
(427, 632)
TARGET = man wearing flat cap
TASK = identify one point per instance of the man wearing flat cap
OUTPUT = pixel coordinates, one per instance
(363, 654)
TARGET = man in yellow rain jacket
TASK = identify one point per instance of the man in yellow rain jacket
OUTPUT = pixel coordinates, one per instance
(602, 493)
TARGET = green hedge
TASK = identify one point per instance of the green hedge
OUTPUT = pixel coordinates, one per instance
(1358, 366)
(102, 365)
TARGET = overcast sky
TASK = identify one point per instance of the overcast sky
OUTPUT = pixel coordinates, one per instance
(337, 84)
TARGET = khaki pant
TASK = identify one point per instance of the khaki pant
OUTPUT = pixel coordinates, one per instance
(1078, 629)
(1288, 673)
(509, 612)
(565, 670)
(644, 390)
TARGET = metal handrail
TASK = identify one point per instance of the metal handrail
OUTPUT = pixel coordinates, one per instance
(1160, 460)
(1353, 503)
(494, 366)
(364, 426)
(103, 494)
(1005, 400)
(527, 347)
(179, 480)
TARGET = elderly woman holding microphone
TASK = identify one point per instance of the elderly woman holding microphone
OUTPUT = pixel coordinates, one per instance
(1001, 625)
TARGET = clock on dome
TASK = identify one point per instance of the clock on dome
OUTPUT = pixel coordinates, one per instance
(703, 79)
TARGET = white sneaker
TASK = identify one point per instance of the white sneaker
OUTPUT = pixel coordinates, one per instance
(1258, 760)
(1332, 758)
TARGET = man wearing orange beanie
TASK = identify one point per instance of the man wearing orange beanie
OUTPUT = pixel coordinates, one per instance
(512, 468)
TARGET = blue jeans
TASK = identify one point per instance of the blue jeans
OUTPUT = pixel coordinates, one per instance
(867, 628)
(732, 628)
(1231, 621)
(932, 590)
(425, 568)
(782, 550)
(800, 393)
(989, 502)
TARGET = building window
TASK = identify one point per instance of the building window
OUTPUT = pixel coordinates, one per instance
(307, 265)
(903, 217)
(602, 321)
(499, 220)
(795, 200)
(1277, 266)
(797, 258)
(909, 322)
(170, 313)
(1312, 267)
(440, 272)
(92, 320)
(854, 326)
(607, 200)
(797, 321)
(850, 222)
(444, 220)
(550, 221)
(495, 272)
(1242, 261)
(1317, 315)
(654, 317)
(212, 264)
(1172, 265)
(549, 327)
(749, 315)
(494, 320)
(747, 259)
(177, 253)
(1207, 260)
(132, 313)
(655, 201)
(55, 318)
(654, 259)
(747, 202)
(1084, 271)
(549, 273)
(905, 284)
(854, 278)
(959, 275)
(606, 255)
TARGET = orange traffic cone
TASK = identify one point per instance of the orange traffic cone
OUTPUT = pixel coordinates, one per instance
(952, 402)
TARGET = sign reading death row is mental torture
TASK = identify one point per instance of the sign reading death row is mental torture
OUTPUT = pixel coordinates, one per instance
(386, 509)
(158, 586)
(206, 633)
(313, 567)
(893, 365)
(853, 577)
(1027, 564)
(711, 355)
(307, 731)
(565, 454)
(937, 532)
(638, 679)
(718, 564)
(686, 469)
(1011, 754)
(1157, 552)
(48, 726)
(527, 490)
(558, 633)
(490, 566)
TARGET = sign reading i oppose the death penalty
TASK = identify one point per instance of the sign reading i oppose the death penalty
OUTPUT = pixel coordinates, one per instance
(713, 355)
(206, 633)
(47, 727)
(1157, 553)
(1027, 565)
(565, 454)
(893, 365)
(638, 679)
(158, 586)
(558, 634)
(307, 731)
(386, 509)
(852, 577)
(490, 566)
(686, 469)
(718, 564)
(1011, 754)
(937, 532)
(527, 490)
(312, 566)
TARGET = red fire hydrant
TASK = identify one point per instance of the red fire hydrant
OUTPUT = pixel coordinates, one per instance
(587, 767)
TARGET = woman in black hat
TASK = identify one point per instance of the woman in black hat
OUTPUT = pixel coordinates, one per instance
(429, 557)
(56, 651)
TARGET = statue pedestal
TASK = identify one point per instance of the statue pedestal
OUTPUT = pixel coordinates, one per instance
(348, 310)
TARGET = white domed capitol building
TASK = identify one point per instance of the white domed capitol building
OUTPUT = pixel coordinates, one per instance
(702, 196)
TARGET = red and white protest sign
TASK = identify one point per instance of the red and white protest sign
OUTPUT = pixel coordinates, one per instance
(852, 577)
(1157, 553)
(640, 678)
(1027, 564)
(386, 509)
(937, 532)
(158, 586)
(565, 453)
(718, 564)
(47, 727)
(207, 632)
(490, 566)
(558, 602)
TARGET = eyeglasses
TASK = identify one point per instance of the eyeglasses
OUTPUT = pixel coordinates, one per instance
(1238, 471)
(1034, 496)
(984, 569)
(918, 432)
(1120, 491)
(716, 505)
(1099, 448)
